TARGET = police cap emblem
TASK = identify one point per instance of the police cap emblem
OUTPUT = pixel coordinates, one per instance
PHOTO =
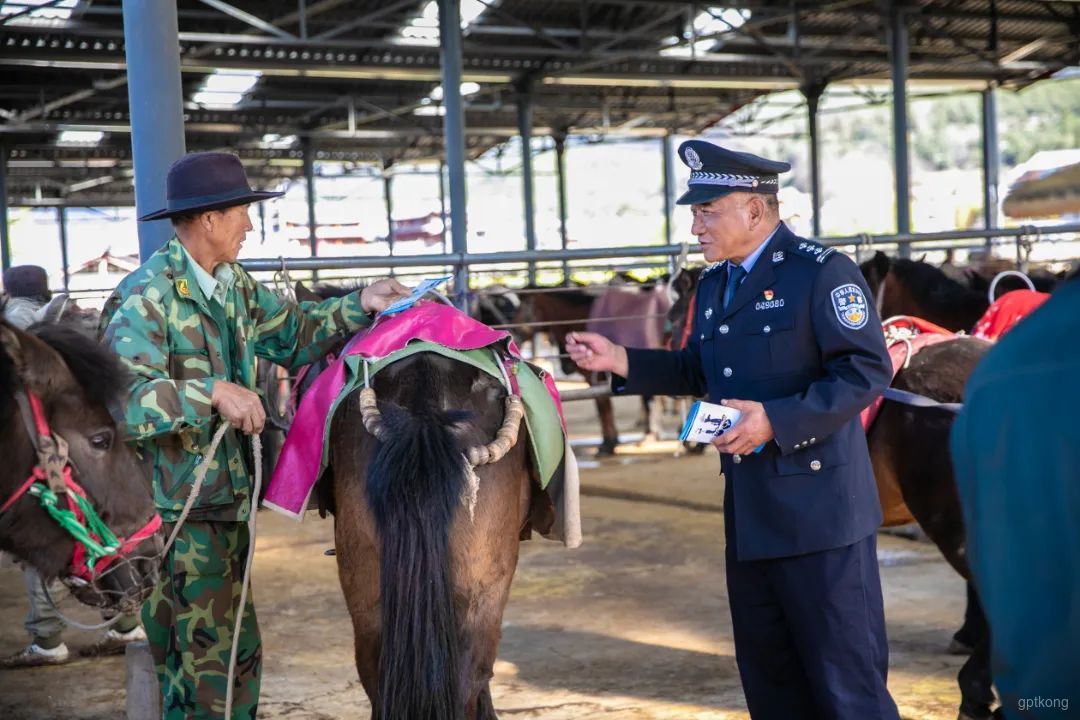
(693, 159)
(849, 302)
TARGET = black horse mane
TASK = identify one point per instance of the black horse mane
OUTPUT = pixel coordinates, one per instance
(933, 284)
(96, 369)
(328, 290)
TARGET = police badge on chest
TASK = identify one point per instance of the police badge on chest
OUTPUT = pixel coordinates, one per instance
(770, 302)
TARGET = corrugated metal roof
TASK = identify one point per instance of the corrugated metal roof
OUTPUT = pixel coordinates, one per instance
(347, 79)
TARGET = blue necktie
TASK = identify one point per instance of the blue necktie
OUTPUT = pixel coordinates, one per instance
(734, 278)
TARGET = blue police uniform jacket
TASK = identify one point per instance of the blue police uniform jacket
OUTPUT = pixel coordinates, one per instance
(799, 336)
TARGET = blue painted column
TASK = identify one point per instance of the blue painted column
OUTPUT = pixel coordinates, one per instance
(5, 247)
(454, 137)
(898, 50)
(156, 101)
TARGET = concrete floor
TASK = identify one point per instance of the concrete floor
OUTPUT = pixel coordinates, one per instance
(632, 625)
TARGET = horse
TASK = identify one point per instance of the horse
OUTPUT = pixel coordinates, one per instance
(918, 289)
(426, 545)
(56, 387)
(909, 447)
(558, 313)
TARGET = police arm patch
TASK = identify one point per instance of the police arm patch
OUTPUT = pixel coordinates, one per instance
(849, 302)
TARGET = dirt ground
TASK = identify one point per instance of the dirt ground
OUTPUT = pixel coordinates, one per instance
(632, 625)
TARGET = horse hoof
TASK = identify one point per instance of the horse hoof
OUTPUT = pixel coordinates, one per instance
(605, 450)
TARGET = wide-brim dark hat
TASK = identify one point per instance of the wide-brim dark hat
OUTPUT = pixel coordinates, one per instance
(207, 181)
(716, 171)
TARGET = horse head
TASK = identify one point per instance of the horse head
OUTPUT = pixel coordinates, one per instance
(60, 443)
(682, 288)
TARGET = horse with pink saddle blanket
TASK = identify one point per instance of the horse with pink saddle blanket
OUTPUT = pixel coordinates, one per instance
(437, 448)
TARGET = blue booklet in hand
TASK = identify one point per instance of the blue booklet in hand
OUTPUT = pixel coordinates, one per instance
(421, 290)
(708, 421)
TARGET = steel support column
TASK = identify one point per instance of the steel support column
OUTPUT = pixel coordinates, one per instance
(991, 162)
(61, 222)
(524, 116)
(442, 203)
(454, 136)
(5, 241)
(669, 189)
(560, 174)
(309, 183)
(388, 196)
(813, 100)
(262, 222)
(898, 51)
(155, 100)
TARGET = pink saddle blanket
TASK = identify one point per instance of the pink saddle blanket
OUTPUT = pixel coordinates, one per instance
(300, 462)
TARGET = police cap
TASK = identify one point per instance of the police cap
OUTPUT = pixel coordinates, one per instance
(717, 171)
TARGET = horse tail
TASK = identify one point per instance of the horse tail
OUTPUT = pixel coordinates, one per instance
(414, 484)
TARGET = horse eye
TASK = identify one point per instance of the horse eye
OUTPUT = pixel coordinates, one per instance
(101, 441)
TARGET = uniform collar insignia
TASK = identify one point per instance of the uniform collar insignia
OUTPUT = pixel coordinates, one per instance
(708, 313)
(182, 287)
(778, 256)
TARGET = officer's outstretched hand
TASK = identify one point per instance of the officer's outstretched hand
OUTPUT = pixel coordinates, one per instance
(380, 295)
(595, 353)
(242, 408)
(753, 429)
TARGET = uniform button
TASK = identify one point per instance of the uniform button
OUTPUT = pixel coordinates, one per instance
(736, 459)
(727, 372)
(813, 440)
(702, 336)
(766, 329)
(815, 465)
(724, 329)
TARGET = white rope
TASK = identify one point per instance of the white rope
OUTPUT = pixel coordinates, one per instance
(256, 450)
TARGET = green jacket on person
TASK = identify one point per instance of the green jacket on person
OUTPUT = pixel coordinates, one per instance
(177, 343)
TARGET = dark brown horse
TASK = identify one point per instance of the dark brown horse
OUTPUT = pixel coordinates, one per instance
(426, 544)
(918, 289)
(909, 446)
(76, 380)
(558, 313)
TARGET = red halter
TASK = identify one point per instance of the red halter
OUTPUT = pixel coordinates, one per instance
(54, 469)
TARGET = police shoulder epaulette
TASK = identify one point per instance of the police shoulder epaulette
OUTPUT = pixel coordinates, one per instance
(709, 270)
(814, 251)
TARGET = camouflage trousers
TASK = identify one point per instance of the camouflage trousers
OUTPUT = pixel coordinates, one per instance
(189, 622)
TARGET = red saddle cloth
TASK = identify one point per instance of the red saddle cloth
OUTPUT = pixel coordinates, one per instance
(905, 337)
(1007, 310)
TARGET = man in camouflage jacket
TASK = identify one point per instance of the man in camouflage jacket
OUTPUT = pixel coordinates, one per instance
(189, 323)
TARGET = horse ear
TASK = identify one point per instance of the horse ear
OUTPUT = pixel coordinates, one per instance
(36, 363)
(9, 341)
(881, 264)
(51, 312)
(305, 295)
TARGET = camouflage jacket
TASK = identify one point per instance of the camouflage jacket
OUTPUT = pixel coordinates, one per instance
(161, 325)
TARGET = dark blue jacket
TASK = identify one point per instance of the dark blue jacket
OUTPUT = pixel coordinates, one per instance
(801, 336)
(1016, 453)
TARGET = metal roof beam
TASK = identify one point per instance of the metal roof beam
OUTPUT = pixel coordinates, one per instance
(246, 17)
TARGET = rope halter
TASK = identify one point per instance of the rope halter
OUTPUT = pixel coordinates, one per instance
(96, 546)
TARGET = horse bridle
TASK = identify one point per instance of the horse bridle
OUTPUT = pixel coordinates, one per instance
(96, 546)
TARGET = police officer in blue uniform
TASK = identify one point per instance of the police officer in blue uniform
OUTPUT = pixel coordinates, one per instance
(784, 333)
